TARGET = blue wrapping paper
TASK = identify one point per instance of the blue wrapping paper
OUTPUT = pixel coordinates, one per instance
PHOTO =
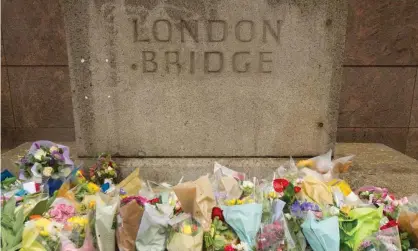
(245, 220)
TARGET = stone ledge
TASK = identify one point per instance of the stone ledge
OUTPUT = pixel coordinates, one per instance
(374, 164)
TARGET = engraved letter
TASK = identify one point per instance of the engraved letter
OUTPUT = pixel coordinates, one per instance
(210, 30)
(234, 62)
(192, 56)
(145, 59)
(155, 31)
(136, 35)
(238, 30)
(193, 33)
(207, 60)
(275, 35)
(175, 62)
(262, 60)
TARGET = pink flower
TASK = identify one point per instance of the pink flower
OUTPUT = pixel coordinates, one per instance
(62, 212)
(404, 201)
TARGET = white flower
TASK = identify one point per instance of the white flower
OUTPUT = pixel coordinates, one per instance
(48, 171)
(288, 216)
(247, 184)
(241, 246)
(109, 168)
(39, 154)
(334, 211)
(54, 149)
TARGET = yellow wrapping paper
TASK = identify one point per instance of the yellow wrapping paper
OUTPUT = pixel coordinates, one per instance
(197, 198)
(184, 242)
(317, 191)
(131, 184)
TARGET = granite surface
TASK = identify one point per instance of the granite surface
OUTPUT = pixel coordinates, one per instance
(374, 164)
(148, 84)
(376, 97)
(382, 32)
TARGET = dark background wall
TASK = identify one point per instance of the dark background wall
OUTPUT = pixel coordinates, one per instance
(379, 99)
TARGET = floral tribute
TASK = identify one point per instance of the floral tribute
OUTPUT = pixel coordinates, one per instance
(299, 206)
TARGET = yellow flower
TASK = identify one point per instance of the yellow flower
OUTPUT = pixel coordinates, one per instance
(53, 149)
(44, 233)
(92, 204)
(305, 163)
(93, 188)
(187, 229)
(240, 202)
(272, 195)
(80, 221)
(345, 209)
(42, 223)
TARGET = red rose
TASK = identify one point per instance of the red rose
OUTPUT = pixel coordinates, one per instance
(228, 248)
(154, 201)
(392, 196)
(280, 184)
(216, 211)
(391, 223)
(297, 189)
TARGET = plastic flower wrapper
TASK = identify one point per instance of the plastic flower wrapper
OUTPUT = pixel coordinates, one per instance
(342, 193)
(12, 220)
(128, 221)
(76, 235)
(197, 199)
(45, 159)
(104, 226)
(358, 224)
(41, 234)
(289, 171)
(386, 239)
(185, 234)
(105, 169)
(227, 183)
(272, 234)
(245, 218)
(326, 169)
(153, 230)
(408, 218)
(322, 235)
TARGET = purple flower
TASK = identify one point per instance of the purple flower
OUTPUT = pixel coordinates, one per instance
(309, 206)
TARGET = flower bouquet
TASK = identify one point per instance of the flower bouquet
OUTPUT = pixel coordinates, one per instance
(186, 234)
(104, 170)
(220, 235)
(104, 224)
(41, 234)
(77, 235)
(152, 232)
(271, 236)
(244, 216)
(45, 159)
(381, 196)
(197, 198)
(61, 211)
(408, 219)
(358, 224)
(226, 183)
(387, 238)
(129, 219)
(322, 235)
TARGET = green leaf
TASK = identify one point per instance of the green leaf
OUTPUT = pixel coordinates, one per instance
(40, 208)
(9, 207)
(20, 218)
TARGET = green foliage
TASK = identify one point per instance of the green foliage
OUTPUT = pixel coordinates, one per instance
(11, 226)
